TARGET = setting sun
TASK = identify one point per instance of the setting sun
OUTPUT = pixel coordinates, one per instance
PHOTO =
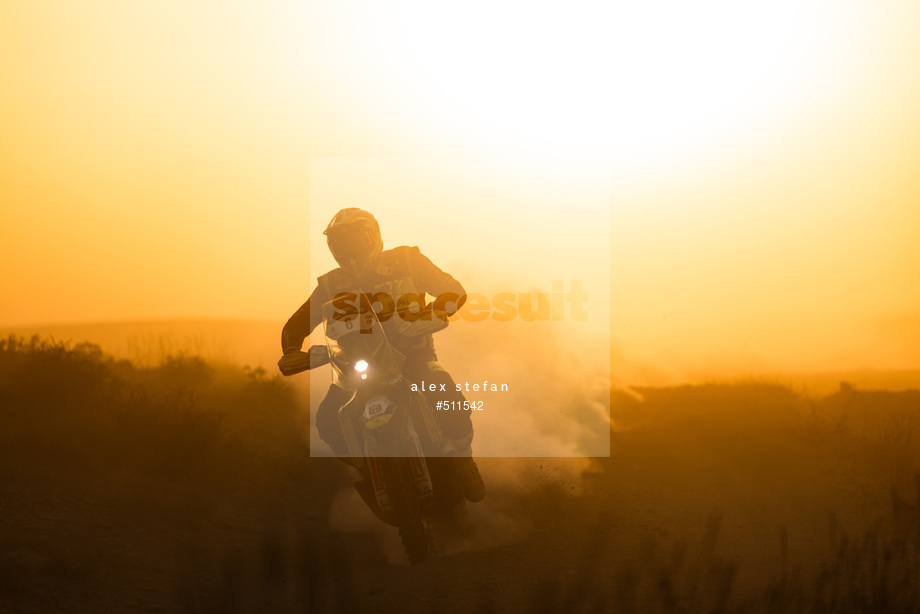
(608, 78)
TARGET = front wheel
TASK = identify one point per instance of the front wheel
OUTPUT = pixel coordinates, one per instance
(412, 516)
(416, 538)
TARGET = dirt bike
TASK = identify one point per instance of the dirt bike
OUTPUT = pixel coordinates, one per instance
(408, 477)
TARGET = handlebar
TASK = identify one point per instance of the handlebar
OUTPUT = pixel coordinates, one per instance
(299, 361)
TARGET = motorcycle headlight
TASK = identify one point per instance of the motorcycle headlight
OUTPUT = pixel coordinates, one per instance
(361, 367)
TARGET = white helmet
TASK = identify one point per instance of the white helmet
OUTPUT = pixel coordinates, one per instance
(353, 237)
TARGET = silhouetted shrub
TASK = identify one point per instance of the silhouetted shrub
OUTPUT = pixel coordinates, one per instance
(63, 402)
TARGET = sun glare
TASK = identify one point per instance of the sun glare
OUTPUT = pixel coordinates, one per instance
(596, 76)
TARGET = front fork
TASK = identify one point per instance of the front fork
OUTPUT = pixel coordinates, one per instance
(378, 428)
(410, 452)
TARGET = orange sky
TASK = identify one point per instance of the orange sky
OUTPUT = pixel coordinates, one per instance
(763, 162)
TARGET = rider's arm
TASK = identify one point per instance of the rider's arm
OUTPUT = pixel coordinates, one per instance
(303, 322)
(436, 282)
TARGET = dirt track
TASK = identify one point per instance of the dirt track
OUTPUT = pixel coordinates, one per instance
(695, 510)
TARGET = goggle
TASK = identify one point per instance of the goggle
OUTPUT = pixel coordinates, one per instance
(350, 245)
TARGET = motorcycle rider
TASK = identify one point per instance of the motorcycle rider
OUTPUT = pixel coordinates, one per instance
(353, 237)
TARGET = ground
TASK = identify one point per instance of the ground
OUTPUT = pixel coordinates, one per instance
(713, 498)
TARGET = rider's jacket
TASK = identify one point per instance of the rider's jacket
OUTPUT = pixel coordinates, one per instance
(400, 273)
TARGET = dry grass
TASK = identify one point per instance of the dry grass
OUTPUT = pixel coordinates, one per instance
(95, 451)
